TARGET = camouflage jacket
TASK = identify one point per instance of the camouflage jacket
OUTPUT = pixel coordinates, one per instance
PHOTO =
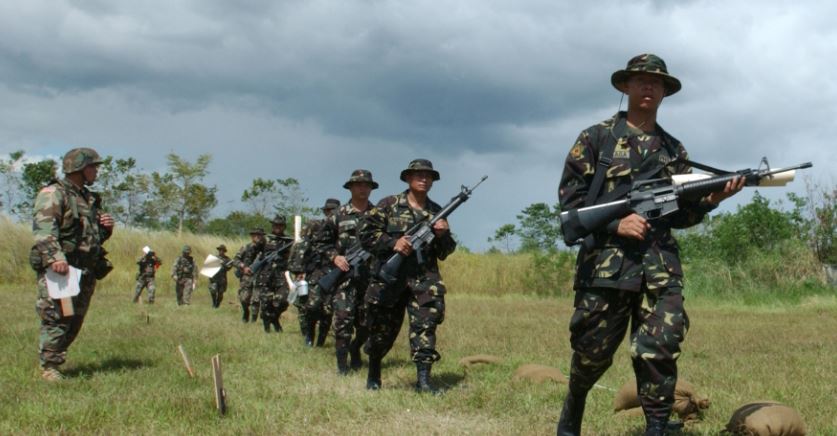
(221, 275)
(307, 254)
(271, 275)
(66, 226)
(247, 255)
(341, 229)
(616, 262)
(148, 266)
(184, 268)
(389, 220)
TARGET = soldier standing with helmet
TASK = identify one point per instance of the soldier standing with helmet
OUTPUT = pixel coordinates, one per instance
(242, 261)
(629, 273)
(269, 282)
(148, 265)
(184, 272)
(218, 282)
(69, 230)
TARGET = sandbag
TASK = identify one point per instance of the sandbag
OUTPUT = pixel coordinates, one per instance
(766, 418)
(687, 402)
(539, 373)
(468, 361)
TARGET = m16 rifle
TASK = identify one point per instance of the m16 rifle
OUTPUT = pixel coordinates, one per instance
(356, 256)
(268, 257)
(656, 198)
(421, 235)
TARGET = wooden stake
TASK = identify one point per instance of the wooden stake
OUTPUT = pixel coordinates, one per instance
(186, 361)
(217, 378)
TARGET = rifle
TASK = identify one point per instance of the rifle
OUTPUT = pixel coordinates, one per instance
(656, 198)
(268, 258)
(421, 235)
(356, 256)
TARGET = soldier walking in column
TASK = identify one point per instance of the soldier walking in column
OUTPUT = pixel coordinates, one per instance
(269, 282)
(148, 265)
(218, 282)
(184, 274)
(242, 261)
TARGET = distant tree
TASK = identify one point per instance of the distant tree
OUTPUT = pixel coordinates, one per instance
(504, 235)
(179, 195)
(281, 196)
(35, 175)
(236, 224)
(122, 188)
(539, 227)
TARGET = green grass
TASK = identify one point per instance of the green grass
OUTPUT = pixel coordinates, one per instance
(126, 376)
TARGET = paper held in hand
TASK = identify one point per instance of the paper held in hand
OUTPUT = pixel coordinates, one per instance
(64, 287)
(211, 266)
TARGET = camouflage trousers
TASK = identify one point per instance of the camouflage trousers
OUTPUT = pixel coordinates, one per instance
(147, 283)
(246, 297)
(658, 324)
(319, 306)
(350, 314)
(57, 331)
(216, 291)
(424, 300)
(274, 302)
(183, 290)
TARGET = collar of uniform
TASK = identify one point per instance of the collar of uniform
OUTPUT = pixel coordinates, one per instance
(71, 186)
(350, 208)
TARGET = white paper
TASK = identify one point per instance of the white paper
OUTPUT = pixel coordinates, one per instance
(63, 285)
(211, 266)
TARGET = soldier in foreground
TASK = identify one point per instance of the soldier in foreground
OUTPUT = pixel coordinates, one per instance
(218, 282)
(69, 230)
(418, 287)
(242, 261)
(308, 262)
(340, 234)
(184, 272)
(269, 283)
(148, 264)
(629, 273)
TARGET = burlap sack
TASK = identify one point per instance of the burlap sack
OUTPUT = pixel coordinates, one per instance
(687, 403)
(539, 373)
(468, 361)
(766, 418)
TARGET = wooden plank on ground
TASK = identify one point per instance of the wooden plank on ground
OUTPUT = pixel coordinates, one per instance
(218, 381)
(186, 360)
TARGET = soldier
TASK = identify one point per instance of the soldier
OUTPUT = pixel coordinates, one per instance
(629, 272)
(69, 230)
(308, 263)
(242, 261)
(148, 265)
(218, 282)
(418, 287)
(269, 283)
(341, 234)
(184, 272)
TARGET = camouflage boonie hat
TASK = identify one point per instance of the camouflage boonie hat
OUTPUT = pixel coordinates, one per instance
(279, 219)
(361, 176)
(79, 158)
(257, 231)
(186, 249)
(419, 165)
(331, 203)
(646, 63)
(221, 247)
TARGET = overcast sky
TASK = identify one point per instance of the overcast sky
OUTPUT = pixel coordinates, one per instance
(314, 89)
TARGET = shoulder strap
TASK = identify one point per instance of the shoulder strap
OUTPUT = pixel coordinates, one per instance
(605, 159)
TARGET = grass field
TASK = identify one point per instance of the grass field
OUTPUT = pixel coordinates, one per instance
(125, 375)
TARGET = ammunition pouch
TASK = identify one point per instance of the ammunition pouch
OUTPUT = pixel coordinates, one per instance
(101, 268)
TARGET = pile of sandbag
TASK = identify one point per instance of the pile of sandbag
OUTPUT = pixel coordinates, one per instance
(469, 361)
(766, 418)
(539, 373)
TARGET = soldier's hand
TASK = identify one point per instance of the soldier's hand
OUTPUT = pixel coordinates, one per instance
(299, 277)
(633, 226)
(106, 220)
(732, 187)
(440, 227)
(61, 267)
(340, 262)
(247, 270)
(403, 246)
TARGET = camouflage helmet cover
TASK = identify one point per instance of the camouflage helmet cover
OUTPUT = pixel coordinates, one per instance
(361, 176)
(79, 158)
(187, 249)
(279, 220)
(646, 63)
(419, 165)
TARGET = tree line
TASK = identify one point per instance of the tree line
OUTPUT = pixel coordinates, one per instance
(176, 199)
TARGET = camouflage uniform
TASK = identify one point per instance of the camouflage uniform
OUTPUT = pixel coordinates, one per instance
(270, 285)
(148, 265)
(619, 279)
(184, 272)
(306, 257)
(244, 258)
(418, 288)
(66, 229)
(218, 282)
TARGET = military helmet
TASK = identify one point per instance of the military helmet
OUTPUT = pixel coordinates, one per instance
(187, 249)
(221, 247)
(361, 176)
(331, 203)
(279, 220)
(646, 63)
(419, 165)
(79, 158)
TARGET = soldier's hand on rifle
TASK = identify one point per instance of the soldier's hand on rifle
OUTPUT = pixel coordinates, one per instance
(340, 262)
(106, 220)
(61, 267)
(247, 270)
(403, 246)
(633, 226)
(440, 227)
(731, 188)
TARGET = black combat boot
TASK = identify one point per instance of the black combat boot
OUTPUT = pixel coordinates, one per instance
(342, 366)
(325, 325)
(571, 414)
(423, 379)
(655, 426)
(309, 333)
(254, 316)
(373, 377)
(245, 313)
(277, 326)
(354, 353)
(266, 323)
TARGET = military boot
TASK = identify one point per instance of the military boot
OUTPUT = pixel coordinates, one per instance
(136, 298)
(254, 316)
(51, 373)
(309, 334)
(373, 377)
(245, 313)
(354, 353)
(321, 337)
(571, 415)
(342, 365)
(423, 379)
(660, 427)
(266, 324)
(277, 326)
